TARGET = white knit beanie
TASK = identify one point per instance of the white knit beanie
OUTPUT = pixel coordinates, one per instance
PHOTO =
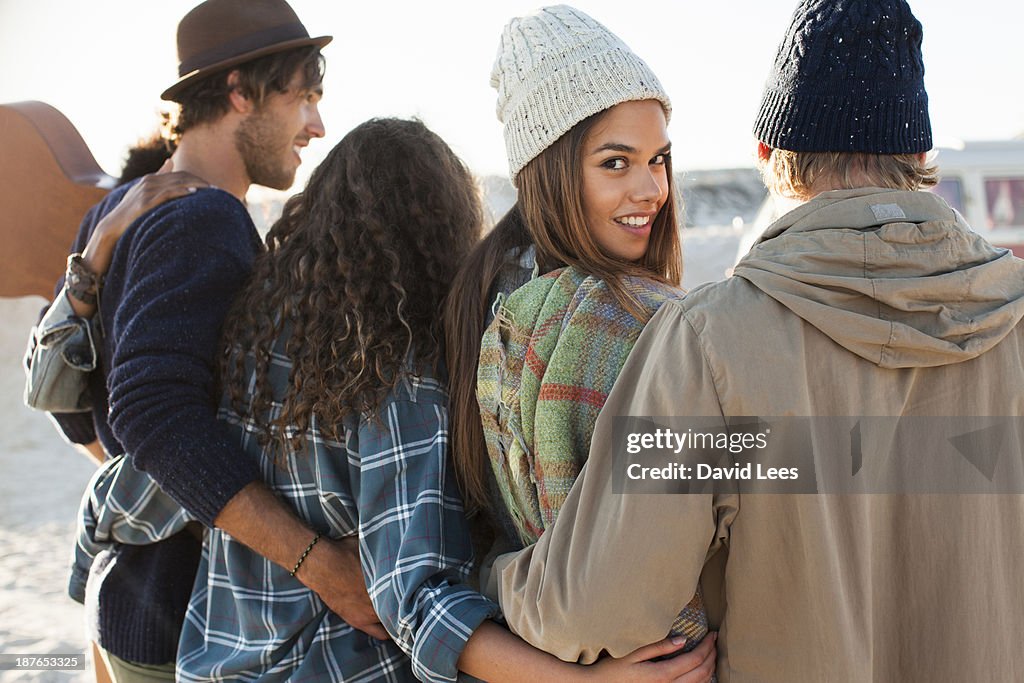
(555, 68)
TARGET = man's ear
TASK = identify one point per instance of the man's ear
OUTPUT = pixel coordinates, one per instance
(763, 151)
(239, 102)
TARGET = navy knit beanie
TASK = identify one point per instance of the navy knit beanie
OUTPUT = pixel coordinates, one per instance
(848, 77)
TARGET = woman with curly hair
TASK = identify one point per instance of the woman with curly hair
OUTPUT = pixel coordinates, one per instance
(546, 309)
(334, 383)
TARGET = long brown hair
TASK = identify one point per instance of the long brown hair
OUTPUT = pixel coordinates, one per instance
(548, 214)
(356, 270)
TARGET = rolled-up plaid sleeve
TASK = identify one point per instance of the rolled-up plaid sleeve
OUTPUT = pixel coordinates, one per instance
(414, 536)
(120, 505)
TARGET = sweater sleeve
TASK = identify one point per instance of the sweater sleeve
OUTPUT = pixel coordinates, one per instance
(77, 428)
(616, 567)
(186, 263)
(415, 539)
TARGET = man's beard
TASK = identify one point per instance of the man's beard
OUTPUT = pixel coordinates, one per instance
(264, 164)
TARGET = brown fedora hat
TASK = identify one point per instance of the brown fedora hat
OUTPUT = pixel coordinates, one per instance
(222, 33)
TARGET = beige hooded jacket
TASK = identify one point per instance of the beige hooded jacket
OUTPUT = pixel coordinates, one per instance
(861, 302)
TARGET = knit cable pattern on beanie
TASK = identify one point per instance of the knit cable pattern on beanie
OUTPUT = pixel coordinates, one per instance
(555, 68)
(848, 77)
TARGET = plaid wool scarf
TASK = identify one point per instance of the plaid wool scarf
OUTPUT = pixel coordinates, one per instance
(547, 363)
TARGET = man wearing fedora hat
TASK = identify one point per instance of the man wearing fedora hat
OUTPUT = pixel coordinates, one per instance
(248, 89)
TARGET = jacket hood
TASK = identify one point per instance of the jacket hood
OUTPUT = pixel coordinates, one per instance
(898, 278)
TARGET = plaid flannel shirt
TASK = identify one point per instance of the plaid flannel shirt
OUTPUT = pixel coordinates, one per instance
(386, 481)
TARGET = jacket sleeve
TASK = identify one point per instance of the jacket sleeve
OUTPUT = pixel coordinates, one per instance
(61, 354)
(185, 266)
(75, 424)
(414, 537)
(616, 568)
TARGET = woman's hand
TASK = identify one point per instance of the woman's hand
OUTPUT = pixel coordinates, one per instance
(696, 666)
(151, 191)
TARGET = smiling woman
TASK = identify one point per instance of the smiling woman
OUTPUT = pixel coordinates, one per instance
(625, 183)
(571, 274)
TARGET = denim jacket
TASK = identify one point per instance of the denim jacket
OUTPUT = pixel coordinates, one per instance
(60, 355)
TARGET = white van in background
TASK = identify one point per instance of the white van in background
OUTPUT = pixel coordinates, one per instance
(985, 182)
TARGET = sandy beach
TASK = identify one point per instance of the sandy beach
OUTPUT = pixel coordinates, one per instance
(41, 485)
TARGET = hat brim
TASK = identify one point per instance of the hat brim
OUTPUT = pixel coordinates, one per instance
(172, 92)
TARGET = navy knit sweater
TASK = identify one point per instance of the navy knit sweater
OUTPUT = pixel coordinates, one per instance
(173, 277)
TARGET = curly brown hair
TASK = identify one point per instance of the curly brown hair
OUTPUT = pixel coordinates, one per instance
(356, 271)
(148, 154)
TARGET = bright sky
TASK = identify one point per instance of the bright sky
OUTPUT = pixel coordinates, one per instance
(103, 63)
